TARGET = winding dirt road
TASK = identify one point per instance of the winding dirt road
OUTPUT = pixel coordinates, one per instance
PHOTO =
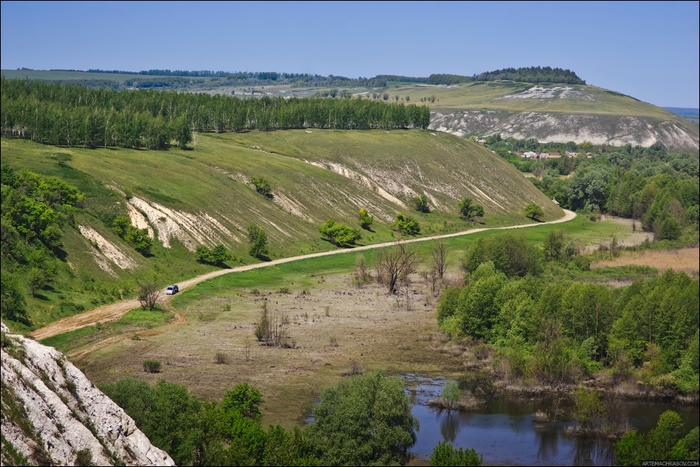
(114, 311)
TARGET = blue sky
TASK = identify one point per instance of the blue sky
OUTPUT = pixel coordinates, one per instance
(645, 49)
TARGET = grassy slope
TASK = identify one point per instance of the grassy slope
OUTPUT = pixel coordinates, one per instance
(488, 95)
(197, 181)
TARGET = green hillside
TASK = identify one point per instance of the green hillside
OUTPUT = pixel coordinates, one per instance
(204, 196)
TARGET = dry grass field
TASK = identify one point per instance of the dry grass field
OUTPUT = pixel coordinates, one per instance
(684, 259)
(332, 326)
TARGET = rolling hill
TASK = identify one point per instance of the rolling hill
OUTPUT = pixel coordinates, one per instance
(547, 112)
(204, 196)
(553, 113)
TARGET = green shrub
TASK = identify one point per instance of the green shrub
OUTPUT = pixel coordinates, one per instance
(420, 203)
(446, 455)
(534, 212)
(469, 210)
(405, 225)
(365, 219)
(451, 394)
(258, 242)
(151, 366)
(262, 186)
(339, 234)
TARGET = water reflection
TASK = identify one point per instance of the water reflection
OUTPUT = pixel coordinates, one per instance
(547, 443)
(449, 426)
(504, 433)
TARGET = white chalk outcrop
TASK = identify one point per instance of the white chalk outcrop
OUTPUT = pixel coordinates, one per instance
(52, 414)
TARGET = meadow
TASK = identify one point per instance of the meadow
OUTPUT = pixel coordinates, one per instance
(333, 326)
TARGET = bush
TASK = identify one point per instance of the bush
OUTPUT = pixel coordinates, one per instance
(446, 455)
(262, 186)
(221, 358)
(339, 234)
(420, 203)
(83, 458)
(148, 295)
(451, 394)
(468, 210)
(534, 212)
(405, 225)
(217, 255)
(258, 241)
(365, 219)
(151, 366)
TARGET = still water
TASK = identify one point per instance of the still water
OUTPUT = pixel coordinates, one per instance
(503, 431)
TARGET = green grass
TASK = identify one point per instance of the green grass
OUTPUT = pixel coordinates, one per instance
(302, 274)
(206, 180)
(134, 320)
(488, 95)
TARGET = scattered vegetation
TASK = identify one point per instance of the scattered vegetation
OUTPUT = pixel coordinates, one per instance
(364, 420)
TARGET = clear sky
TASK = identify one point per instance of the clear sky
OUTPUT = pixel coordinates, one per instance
(648, 50)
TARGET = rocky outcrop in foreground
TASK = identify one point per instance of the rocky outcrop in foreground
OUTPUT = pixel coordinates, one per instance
(52, 414)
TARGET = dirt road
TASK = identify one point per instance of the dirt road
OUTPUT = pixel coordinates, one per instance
(115, 311)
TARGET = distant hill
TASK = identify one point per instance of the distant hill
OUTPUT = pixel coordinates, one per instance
(550, 112)
(548, 104)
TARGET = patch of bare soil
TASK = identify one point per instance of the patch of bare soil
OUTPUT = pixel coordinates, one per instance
(685, 259)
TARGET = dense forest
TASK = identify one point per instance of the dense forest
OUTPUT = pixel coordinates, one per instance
(514, 299)
(657, 187)
(532, 74)
(76, 116)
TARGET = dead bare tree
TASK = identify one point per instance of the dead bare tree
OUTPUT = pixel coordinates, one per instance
(395, 264)
(148, 295)
(440, 252)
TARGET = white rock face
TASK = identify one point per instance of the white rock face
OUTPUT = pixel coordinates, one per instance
(614, 130)
(51, 412)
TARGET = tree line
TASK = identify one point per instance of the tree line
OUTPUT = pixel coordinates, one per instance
(532, 75)
(558, 330)
(363, 420)
(658, 188)
(76, 116)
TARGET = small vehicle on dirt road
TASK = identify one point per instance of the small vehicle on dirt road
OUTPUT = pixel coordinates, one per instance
(172, 290)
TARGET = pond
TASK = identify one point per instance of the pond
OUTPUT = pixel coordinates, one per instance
(503, 431)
